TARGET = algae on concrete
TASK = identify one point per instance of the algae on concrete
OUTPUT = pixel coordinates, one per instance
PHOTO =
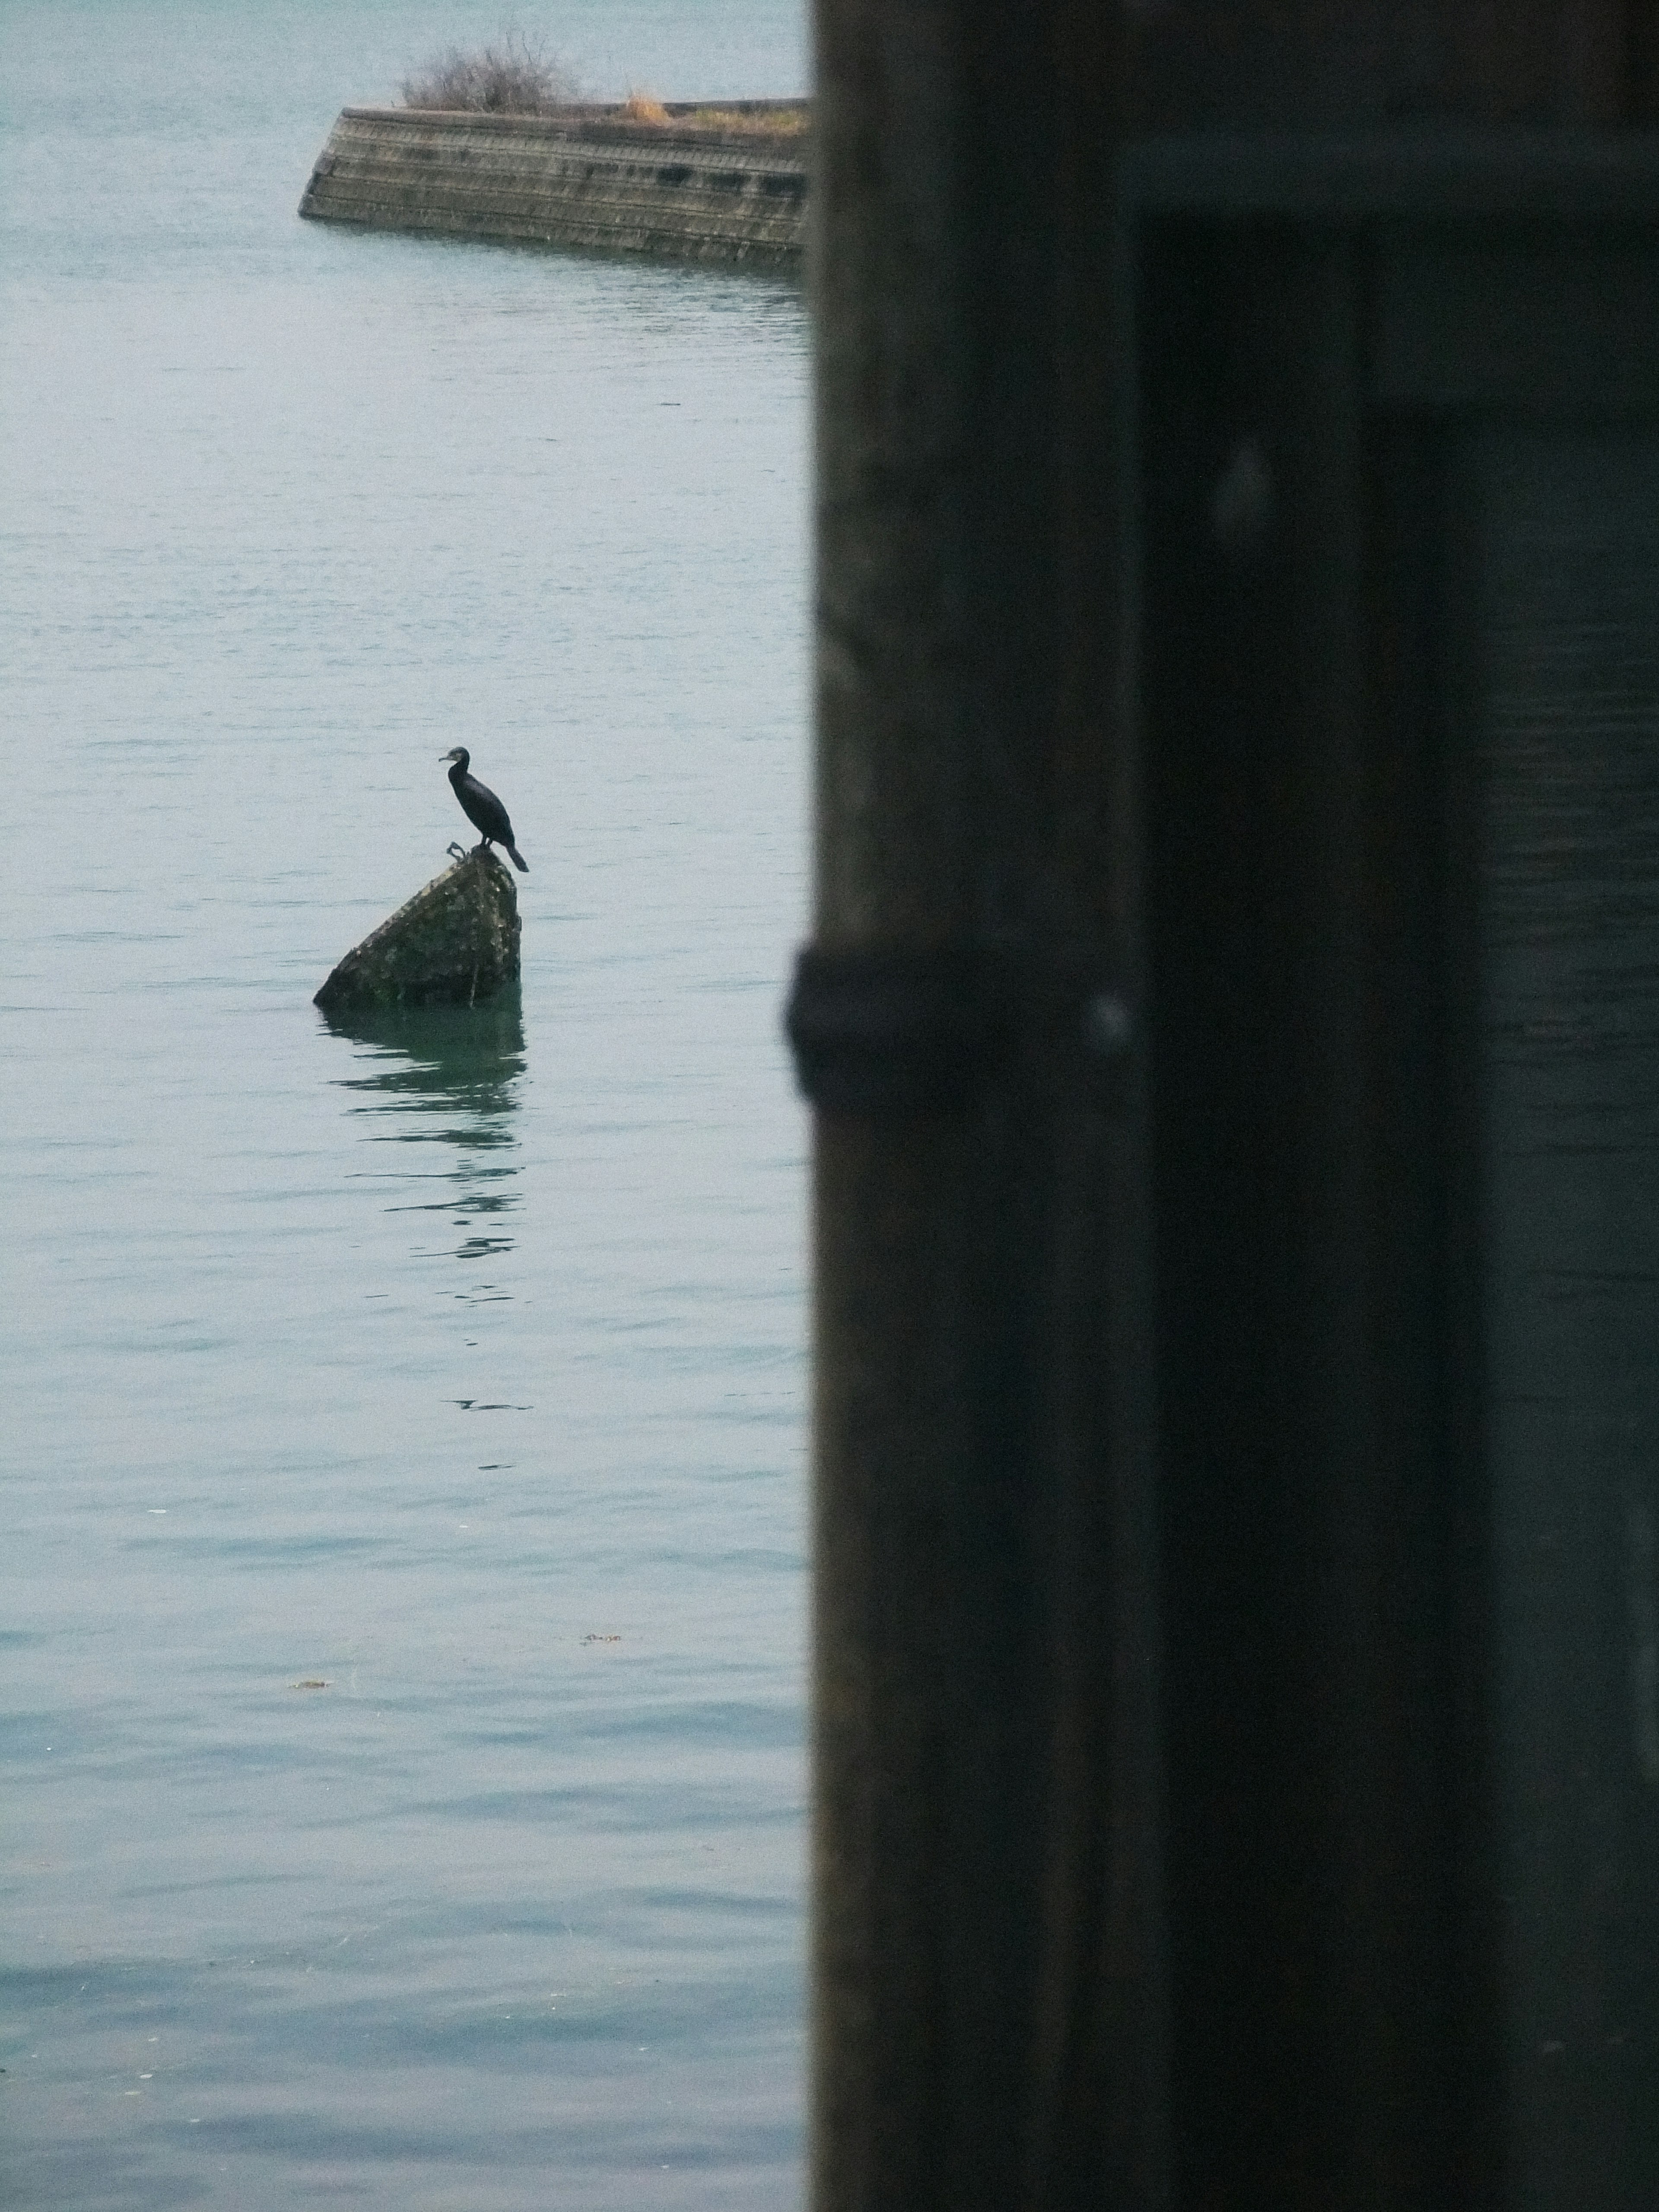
(455, 943)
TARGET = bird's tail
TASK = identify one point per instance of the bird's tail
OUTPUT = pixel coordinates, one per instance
(518, 860)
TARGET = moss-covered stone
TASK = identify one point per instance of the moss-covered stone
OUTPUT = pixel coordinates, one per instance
(455, 943)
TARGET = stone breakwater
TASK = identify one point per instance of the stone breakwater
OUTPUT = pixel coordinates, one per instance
(693, 191)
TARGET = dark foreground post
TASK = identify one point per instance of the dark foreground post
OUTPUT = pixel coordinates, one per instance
(989, 1989)
(1231, 1019)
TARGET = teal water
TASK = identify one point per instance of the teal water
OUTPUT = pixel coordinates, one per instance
(454, 1363)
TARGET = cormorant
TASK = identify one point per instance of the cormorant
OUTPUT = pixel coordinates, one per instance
(482, 809)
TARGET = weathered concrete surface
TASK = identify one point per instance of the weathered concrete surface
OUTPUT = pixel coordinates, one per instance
(591, 177)
(455, 943)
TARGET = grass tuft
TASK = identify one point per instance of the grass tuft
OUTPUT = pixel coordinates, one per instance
(771, 123)
(640, 107)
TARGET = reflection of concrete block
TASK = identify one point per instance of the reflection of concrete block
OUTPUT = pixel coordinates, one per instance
(454, 944)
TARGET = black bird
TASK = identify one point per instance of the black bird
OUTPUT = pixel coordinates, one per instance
(482, 809)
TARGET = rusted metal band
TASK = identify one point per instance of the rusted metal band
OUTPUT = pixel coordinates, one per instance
(888, 1033)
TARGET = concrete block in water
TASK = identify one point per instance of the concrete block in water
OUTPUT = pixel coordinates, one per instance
(586, 176)
(455, 943)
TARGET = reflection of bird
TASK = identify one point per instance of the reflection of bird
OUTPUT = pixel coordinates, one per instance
(482, 809)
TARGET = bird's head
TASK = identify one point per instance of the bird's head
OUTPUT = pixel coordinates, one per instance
(459, 755)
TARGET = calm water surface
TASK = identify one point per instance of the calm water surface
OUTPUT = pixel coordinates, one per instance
(455, 1364)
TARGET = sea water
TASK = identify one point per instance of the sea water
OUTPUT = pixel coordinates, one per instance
(402, 1583)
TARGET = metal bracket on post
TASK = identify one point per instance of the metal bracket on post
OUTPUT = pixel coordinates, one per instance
(888, 1033)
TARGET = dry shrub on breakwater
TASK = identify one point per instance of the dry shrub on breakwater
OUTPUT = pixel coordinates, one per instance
(514, 78)
(640, 107)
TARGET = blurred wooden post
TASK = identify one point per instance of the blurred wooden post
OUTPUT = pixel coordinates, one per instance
(987, 1927)
(1153, 1844)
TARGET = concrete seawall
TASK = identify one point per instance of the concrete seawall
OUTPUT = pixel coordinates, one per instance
(686, 188)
